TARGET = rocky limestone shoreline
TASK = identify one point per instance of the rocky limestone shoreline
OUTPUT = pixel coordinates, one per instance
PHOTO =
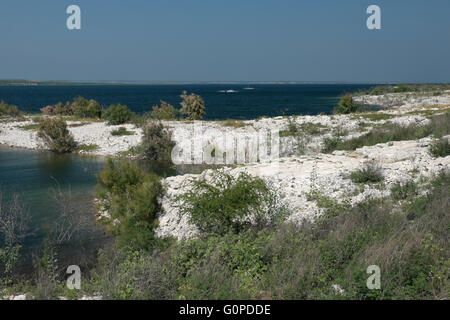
(301, 166)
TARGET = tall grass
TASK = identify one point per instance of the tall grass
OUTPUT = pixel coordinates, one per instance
(409, 244)
(439, 126)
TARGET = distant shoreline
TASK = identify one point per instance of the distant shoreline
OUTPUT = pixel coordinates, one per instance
(149, 83)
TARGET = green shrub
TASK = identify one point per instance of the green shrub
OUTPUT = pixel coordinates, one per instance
(377, 91)
(130, 196)
(117, 114)
(63, 109)
(156, 143)
(228, 203)
(56, 136)
(79, 107)
(330, 144)
(402, 191)
(165, 112)
(122, 131)
(84, 108)
(193, 106)
(346, 105)
(8, 110)
(440, 148)
(370, 172)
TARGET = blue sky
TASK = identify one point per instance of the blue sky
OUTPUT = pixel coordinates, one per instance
(232, 40)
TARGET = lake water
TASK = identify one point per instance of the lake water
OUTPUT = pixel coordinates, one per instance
(262, 100)
(37, 177)
(40, 177)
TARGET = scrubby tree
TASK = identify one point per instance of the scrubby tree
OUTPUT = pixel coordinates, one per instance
(156, 142)
(346, 105)
(117, 114)
(8, 110)
(84, 108)
(193, 106)
(165, 112)
(56, 136)
(79, 107)
(130, 197)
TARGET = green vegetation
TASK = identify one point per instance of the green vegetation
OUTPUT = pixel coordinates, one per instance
(233, 123)
(30, 127)
(9, 110)
(165, 112)
(122, 131)
(374, 116)
(404, 190)
(408, 240)
(230, 204)
(117, 114)
(13, 230)
(156, 143)
(87, 148)
(436, 89)
(305, 129)
(289, 262)
(440, 148)
(370, 172)
(192, 106)
(79, 108)
(56, 136)
(346, 105)
(130, 196)
(330, 144)
(439, 126)
(293, 129)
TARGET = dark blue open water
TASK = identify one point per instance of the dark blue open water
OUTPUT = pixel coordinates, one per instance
(263, 100)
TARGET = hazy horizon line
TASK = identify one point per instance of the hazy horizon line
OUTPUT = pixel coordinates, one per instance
(215, 82)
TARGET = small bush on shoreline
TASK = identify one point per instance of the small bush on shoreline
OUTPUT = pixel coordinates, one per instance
(117, 114)
(56, 136)
(193, 106)
(9, 110)
(165, 112)
(370, 172)
(230, 204)
(156, 143)
(346, 105)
